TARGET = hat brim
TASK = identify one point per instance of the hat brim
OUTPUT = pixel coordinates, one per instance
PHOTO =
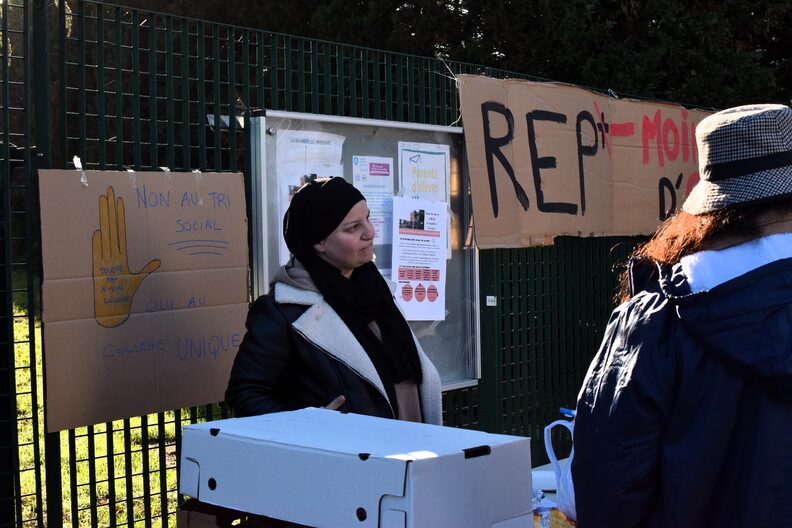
(757, 187)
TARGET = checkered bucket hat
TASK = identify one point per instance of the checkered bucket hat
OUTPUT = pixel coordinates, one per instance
(745, 157)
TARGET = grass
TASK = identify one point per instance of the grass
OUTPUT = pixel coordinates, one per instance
(133, 450)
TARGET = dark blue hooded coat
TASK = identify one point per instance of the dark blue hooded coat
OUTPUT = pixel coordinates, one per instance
(685, 416)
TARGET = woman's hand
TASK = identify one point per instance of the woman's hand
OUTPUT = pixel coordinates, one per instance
(336, 403)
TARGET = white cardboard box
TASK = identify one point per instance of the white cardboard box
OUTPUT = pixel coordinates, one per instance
(324, 468)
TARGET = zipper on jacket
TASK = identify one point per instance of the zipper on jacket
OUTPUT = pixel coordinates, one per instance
(359, 375)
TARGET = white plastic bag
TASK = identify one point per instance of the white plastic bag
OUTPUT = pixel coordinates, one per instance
(565, 489)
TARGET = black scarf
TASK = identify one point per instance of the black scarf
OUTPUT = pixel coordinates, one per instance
(315, 211)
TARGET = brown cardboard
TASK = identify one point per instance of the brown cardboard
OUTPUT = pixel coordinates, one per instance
(570, 178)
(196, 514)
(144, 292)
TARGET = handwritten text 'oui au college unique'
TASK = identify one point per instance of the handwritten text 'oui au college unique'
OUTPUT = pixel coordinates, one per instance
(185, 348)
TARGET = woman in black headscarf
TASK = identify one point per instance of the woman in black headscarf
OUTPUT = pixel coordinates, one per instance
(329, 332)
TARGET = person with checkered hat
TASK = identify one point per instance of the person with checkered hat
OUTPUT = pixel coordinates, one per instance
(685, 415)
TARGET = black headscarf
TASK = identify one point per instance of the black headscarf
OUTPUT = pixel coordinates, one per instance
(315, 211)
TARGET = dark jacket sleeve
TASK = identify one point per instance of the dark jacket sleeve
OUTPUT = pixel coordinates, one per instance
(262, 365)
(621, 416)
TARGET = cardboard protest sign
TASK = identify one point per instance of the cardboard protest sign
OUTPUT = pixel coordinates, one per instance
(550, 159)
(145, 291)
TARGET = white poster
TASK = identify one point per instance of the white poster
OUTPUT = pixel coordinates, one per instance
(424, 170)
(302, 156)
(419, 257)
(373, 176)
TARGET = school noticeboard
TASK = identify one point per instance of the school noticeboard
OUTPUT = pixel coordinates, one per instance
(549, 159)
(144, 293)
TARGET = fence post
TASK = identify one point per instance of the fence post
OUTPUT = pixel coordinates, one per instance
(43, 160)
(7, 404)
(8, 437)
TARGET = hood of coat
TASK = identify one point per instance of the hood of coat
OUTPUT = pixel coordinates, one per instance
(746, 322)
(294, 274)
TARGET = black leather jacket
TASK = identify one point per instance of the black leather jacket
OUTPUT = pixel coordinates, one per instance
(685, 416)
(297, 352)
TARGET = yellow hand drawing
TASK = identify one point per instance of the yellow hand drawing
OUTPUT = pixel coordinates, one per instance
(114, 284)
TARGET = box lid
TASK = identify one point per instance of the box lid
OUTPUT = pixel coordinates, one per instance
(325, 468)
(354, 433)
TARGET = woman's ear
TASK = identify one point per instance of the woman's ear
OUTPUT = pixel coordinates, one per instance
(319, 247)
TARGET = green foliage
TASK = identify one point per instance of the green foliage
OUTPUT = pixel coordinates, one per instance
(709, 53)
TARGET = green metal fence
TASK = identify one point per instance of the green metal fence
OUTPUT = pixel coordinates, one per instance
(121, 88)
(552, 306)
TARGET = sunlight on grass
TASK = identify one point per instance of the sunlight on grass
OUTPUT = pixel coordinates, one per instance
(103, 470)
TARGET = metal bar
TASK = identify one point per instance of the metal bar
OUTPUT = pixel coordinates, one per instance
(111, 491)
(314, 77)
(200, 66)
(365, 122)
(400, 88)
(52, 445)
(377, 87)
(301, 79)
(9, 467)
(247, 171)
(75, 510)
(53, 479)
(144, 451)
(100, 87)
(163, 469)
(152, 90)
(218, 121)
(170, 111)
(136, 148)
(353, 78)
(64, 142)
(287, 74)
(232, 122)
(92, 476)
(83, 149)
(246, 78)
(454, 99)
(432, 88)
(185, 93)
(260, 70)
(410, 89)
(364, 79)
(31, 232)
(388, 87)
(522, 325)
(489, 385)
(328, 80)
(178, 439)
(421, 91)
(442, 95)
(119, 86)
(273, 68)
(340, 75)
(130, 498)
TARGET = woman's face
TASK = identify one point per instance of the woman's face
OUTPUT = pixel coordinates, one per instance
(351, 244)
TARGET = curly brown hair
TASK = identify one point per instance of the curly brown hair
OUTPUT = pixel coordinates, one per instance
(684, 234)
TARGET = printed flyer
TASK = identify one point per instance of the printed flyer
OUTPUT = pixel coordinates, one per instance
(419, 257)
(373, 176)
(302, 156)
(424, 170)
